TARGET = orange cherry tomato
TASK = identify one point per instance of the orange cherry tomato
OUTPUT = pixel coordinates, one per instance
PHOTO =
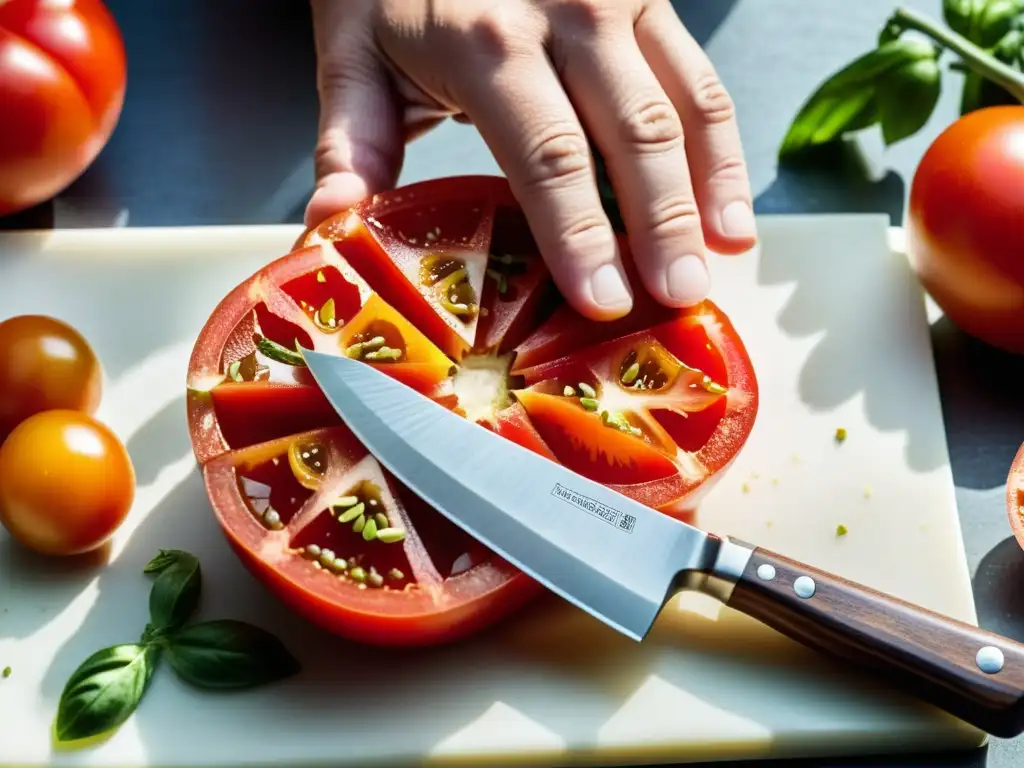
(66, 483)
(45, 364)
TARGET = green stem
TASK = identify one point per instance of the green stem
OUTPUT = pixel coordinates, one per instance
(975, 57)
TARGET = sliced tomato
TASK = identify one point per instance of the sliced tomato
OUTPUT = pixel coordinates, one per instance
(296, 510)
(426, 248)
(524, 366)
(1015, 496)
(657, 414)
(246, 380)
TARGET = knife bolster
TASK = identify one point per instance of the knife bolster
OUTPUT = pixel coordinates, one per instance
(727, 564)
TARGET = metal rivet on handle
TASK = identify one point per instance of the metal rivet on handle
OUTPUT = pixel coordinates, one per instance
(766, 571)
(804, 586)
(989, 660)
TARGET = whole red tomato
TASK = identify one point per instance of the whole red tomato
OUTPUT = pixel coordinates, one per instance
(62, 84)
(965, 224)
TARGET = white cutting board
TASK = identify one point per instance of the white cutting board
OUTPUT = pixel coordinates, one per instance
(837, 329)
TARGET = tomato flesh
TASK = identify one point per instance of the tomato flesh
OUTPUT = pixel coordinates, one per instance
(1015, 496)
(66, 483)
(289, 482)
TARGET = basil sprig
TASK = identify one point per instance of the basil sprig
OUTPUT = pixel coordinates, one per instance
(223, 654)
(897, 84)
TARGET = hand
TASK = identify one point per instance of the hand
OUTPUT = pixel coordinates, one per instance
(536, 77)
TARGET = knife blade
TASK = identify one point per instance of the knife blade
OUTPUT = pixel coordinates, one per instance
(621, 561)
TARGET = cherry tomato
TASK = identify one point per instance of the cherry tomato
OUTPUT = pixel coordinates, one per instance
(965, 224)
(66, 483)
(440, 285)
(45, 364)
(62, 84)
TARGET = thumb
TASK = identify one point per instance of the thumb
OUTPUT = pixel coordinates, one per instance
(360, 145)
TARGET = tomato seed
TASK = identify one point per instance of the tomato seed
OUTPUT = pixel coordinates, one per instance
(568, 391)
(395, 575)
(631, 373)
(311, 552)
(370, 530)
(382, 520)
(359, 524)
(390, 535)
(351, 514)
(589, 403)
(587, 390)
(357, 574)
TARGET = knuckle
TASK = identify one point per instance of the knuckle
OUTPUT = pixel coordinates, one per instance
(727, 169)
(497, 31)
(580, 15)
(559, 156)
(651, 124)
(713, 102)
(674, 216)
(585, 234)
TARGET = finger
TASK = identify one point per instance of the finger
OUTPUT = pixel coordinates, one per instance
(525, 117)
(360, 146)
(639, 132)
(713, 143)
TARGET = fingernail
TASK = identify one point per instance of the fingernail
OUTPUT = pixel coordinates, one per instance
(609, 287)
(688, 279)
(738, 220)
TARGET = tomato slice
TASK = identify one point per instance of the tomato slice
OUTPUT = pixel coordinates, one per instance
(656, 405)
(246, 360)
(655, 414)
(299, 512)
(427, 249)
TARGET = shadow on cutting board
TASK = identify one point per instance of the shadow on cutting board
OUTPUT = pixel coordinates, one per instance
(831, 302)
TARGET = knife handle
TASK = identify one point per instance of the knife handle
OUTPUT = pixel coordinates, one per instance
(973, 674)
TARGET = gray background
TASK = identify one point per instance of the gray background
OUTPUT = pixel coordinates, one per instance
(220, 121)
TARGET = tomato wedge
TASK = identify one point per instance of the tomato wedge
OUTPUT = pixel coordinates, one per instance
(440, 284)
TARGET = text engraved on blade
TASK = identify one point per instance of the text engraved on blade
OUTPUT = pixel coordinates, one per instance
(613, 517)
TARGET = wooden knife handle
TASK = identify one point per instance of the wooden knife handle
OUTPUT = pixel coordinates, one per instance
(973, 674)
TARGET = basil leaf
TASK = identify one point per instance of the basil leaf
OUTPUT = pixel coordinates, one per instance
(907, 97)
(994, 20)
(229, 654)
(165, 558)
(104, 691)
(846, 102)
(960, 14)
(175, 593)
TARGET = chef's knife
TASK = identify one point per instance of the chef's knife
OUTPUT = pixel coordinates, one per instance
(621, 561)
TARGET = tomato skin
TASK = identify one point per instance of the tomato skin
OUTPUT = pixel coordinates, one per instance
(45, 364)
(62, 82)
(1015, 496)
(66, 483)
(965, 224)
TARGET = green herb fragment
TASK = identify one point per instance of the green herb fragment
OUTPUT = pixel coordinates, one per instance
(840, 434)
(7, 672)
(841, 530)
(234, 370)
(279, 353)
